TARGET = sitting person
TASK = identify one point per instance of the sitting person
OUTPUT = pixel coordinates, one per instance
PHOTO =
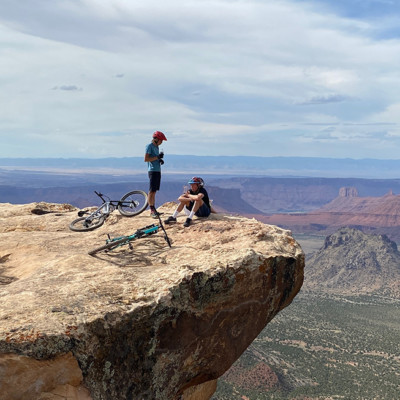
(195, 202)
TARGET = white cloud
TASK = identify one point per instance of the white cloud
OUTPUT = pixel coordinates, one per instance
(200, 71)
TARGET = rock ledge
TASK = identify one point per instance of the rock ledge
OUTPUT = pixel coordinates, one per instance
(146, 323)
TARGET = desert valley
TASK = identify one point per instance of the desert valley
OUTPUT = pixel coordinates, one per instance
(340, 336)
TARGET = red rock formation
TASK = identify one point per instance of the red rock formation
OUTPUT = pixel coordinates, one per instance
(378, 214)
(259, 376)
(348, 192)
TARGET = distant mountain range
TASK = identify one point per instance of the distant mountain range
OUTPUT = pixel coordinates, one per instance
(224, 199)
(285, 195)
(226, 165)
(302, 204)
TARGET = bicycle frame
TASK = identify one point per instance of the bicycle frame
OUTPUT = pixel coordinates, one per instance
(131, 204)
(107, 204)
(114, 243)
(105, 209)
(146, 231)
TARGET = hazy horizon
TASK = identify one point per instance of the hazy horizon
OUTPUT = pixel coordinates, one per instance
(214, 165)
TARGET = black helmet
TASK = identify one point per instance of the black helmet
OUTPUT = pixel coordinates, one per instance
(197, 180)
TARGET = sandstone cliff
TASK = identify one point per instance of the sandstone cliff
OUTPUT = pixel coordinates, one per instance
(370, 214)
(148, 323)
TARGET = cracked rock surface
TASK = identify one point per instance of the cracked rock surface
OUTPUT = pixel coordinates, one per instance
(151, 322)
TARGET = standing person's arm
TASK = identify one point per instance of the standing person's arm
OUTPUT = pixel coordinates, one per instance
(151, 153)
(149, 158)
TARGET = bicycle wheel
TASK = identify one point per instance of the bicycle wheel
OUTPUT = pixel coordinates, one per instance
(84, 225)
(133, 203)
(109, 246)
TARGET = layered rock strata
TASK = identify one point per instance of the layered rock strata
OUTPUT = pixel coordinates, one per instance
(379, 215)
(151, 322)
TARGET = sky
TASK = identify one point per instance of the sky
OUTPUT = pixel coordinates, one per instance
(95, 78)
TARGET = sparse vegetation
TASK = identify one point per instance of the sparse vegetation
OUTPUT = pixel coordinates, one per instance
(323, 347)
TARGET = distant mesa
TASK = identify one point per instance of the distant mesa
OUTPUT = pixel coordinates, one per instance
(379, 215)
(348, 192)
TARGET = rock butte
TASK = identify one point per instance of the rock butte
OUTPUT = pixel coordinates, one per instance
(149, 323)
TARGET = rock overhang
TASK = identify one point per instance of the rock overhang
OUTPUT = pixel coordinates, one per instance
(162, 319)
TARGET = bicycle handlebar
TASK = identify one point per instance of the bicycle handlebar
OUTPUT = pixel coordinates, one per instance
(101, 196)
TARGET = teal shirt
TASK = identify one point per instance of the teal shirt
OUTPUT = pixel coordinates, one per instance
(153, 151)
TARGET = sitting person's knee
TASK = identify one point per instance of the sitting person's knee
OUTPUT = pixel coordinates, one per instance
(203, 211)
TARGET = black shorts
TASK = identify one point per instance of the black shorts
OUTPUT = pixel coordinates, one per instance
(155, 180)
(203, 211)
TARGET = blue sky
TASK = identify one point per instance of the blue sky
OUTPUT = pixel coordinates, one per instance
(94, 78)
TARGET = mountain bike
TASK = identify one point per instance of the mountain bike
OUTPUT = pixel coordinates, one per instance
(131, 204)
(114, 243)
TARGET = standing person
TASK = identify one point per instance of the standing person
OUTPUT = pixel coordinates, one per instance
(154, 159)
(196, 201)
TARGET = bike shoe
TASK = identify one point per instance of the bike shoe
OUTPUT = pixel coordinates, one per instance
(170, 220)
(187, 222)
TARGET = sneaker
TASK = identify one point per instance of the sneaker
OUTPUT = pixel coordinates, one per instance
(187, 222)
(154, 213)
(170, 220)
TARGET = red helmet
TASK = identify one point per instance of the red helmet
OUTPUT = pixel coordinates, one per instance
(159, 135)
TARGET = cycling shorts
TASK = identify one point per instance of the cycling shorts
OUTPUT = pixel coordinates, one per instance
(155, 180)
(203, 211)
